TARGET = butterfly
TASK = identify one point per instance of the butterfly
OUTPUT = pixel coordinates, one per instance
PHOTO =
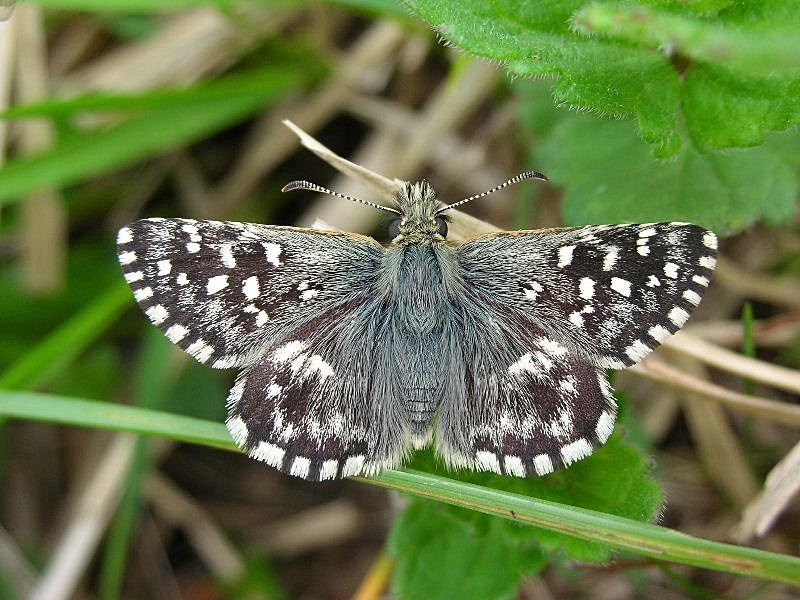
(352, 353)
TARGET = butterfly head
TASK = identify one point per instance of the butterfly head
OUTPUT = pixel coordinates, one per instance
(419, 219)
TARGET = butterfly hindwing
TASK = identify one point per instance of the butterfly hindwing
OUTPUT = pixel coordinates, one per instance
(317, 405)
(520, 402)
(225, 291)
(611, 293)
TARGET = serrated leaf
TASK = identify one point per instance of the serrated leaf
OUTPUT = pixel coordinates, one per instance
(609, 176)
(763, 51)
(638, 72)
(442, 557)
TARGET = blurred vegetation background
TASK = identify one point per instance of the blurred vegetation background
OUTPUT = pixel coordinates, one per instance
(121, 109)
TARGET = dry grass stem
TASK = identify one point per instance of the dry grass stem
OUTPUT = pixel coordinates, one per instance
(176, 507)
(756, 286)
(732, 362)
(765, 408)
(270, 142)
(778, 332)
(718, 445)
(186, 48)
(96, 504)
(781, 486)
(320, 527)
(43, 235)
(15, 569)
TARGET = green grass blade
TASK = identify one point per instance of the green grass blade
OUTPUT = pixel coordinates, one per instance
(649, 540)
(91, 153)
(106, 415)
(60, 348)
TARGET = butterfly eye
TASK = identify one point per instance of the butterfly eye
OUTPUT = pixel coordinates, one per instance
(394, 228)
(442, 223)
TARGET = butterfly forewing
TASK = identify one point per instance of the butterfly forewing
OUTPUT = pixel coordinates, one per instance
(611, 293)
(226, 291)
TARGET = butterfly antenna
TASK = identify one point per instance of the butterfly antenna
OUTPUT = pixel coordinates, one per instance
(513, 180)
(307, 185)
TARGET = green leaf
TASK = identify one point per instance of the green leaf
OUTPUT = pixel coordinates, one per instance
(442, 557)
(763, 50)
(618, 532)
(206, 109)
(746, 54)
(614, 480)
(609, 176)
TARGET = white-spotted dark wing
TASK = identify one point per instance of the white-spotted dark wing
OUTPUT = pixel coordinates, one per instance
(611, 293)
(226, 291)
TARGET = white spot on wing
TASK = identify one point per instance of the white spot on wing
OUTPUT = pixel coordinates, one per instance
(551, 346)
(605, 426)
(238, 430)
(269, 453)
(193, 247)
(124, 236)
(709, 262)
(217, 283)
(300, 466)
(653, 281)
(487, 461)
(699, 279)
(678, 316)
(532, 292)
(261, 318)
(692, 297)
(308, 294)
(157, 314)
(575, 451)
(576, 319)
(353, 465)
(181, 279)
(621, 286)
(288, 351)
(190, 229)
(637, 350)
(542, 464)
(611, 257)
(328, 470)
(135, 276)
(710, 240)
(200, 350)
(315, 364)
(523, 364)
(273, 252)
(142, 294)
(514, 466)
(164, 267)
(587, 288)
(126, 258)
(226, 256)
(671, 270)
(649, 232)
(250, 288)
(658, 333)
(565, 255)
(176, 333)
